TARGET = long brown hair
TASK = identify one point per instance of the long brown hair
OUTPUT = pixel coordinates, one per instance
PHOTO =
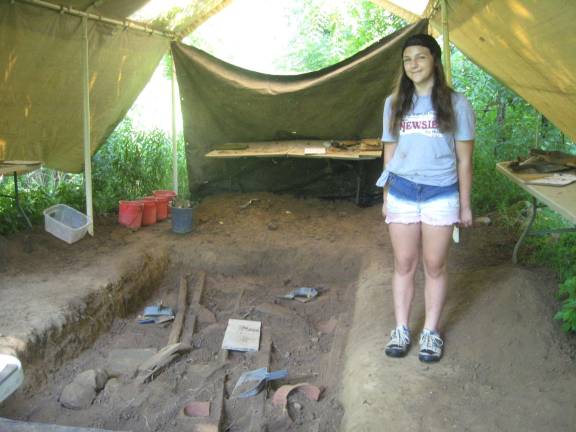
(403, 97)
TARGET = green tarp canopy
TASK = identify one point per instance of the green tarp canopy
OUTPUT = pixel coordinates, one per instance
(222, 103)
(41, 82)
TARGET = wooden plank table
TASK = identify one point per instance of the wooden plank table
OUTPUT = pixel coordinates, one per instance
(310, 149)
(16, 168)
(296, 149)
(561, 199)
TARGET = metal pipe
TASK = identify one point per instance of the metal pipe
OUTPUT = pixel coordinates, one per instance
(174, 137)
(124, 24)
(86, 125)
(446, 44)
(448, 73)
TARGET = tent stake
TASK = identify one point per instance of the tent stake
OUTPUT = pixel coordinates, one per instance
(86, 122)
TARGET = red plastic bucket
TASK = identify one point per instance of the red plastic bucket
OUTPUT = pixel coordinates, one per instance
(149, 214)
(161, 206)
(170, 194)
(130, 213)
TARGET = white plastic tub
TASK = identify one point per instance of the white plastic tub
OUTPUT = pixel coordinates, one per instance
(11, 375)
(66, 223)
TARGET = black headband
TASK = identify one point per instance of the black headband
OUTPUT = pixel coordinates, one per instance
(425, 41)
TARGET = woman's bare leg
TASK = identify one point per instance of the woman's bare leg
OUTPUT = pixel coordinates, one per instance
(435, 245)
(406, 245)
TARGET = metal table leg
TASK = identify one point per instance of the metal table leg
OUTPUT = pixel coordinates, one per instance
(359, 183)
(525, 231)
(18, 206)
(16, 199)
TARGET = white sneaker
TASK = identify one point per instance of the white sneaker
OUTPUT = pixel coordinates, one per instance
(399, 342)
(431, 345)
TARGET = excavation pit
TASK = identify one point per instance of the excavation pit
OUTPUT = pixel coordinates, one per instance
(243, 279)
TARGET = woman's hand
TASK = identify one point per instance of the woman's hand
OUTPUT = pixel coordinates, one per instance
(384, 201)
(465, 217)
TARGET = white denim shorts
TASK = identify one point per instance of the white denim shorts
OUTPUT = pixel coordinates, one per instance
(410, 202)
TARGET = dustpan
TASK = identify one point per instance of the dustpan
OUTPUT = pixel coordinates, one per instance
(252, 382)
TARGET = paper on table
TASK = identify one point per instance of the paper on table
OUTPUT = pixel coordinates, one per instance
(558, 179)
(242, 335)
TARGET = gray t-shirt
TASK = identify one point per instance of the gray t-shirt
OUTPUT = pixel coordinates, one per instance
(424, 154)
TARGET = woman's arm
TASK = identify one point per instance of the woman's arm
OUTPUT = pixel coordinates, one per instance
(464, 151)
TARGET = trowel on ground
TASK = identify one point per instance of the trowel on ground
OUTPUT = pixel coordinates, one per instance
(303, 294)
(252, 382)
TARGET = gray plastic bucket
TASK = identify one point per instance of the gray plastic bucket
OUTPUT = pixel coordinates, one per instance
(182, 220)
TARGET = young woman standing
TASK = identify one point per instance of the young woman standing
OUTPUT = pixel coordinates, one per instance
(428, 142)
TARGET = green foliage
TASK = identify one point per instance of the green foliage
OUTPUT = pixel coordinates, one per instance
(130, 165)
(567, 313)
(555, 249)
(329, 32)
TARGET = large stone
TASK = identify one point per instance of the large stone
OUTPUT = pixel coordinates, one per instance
(76, 396)
(111, 389)
(80, 393)
(95, 378)
(125, 362)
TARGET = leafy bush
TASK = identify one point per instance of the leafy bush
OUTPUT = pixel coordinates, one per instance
(567, 313)
(132, 164)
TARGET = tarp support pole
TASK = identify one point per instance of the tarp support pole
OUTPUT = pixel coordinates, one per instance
(124, 24)
(86, 124)
(448, 72)
(174, 138)
(446, 44)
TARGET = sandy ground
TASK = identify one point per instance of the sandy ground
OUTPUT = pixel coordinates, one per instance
(64, 309)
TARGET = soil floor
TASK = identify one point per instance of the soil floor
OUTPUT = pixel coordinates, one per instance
(65, 309)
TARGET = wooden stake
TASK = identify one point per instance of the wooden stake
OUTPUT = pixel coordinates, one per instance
(200, 281)
(180, 312)
(160, 361)
(199, 288)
